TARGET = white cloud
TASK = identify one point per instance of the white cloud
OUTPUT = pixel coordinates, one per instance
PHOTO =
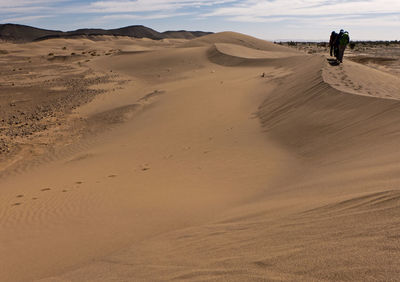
(141, 17)
(24, 19)
(124, 6)
(29, 10)
(151, 8)
(300, 8)
(27, 7)
(10, 4)
(19, 3)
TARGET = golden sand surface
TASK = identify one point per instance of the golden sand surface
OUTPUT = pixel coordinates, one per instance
(221, 158)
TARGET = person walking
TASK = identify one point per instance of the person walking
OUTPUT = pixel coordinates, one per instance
(336, 44)
(343, 41)
(332, 43)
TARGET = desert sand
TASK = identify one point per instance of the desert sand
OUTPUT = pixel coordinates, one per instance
(221, 158)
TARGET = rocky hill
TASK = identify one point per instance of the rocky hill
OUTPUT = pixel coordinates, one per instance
(23, 33)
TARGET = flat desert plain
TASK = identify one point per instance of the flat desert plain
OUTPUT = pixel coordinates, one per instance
(221, 158)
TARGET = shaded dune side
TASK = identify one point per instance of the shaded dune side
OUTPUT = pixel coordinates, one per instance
(238, 39)
(377, 202)
(313, 119)
(218, 56)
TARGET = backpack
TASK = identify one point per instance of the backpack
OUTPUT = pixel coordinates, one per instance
(344, 40)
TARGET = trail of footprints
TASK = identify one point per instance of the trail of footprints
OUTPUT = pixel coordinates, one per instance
(347, 82)
(343, 77)
(143, 167)
(43, 190)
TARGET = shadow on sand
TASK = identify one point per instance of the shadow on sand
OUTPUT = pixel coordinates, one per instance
(333, 62)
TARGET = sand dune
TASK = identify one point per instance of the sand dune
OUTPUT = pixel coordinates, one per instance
(192, 165)
(235, 38)
(250, 53)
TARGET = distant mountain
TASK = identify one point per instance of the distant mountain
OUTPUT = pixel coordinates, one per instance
(138, 31)
(15, 32)
(23, 33)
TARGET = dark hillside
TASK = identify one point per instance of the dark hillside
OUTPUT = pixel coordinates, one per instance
(23, 33)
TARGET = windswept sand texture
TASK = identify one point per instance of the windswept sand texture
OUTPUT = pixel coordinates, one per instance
(221, 158)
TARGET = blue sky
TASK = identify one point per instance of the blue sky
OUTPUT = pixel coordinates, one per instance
(267, 19)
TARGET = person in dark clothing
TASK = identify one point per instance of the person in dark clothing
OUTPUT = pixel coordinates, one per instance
(331, 43)
(336, 43)
(344, 40)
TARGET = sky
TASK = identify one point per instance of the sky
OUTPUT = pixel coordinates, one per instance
(267, 19)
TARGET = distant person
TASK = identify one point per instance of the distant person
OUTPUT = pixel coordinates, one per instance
(336, 43)
(343, 41)
(331, 43)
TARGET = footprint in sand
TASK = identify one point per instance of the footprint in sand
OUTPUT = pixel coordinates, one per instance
(64, 191)
(34, 198)
(45, 189)
(78, 182)
(20, 196)
(16, 204)
(144, 167)
(112, 176)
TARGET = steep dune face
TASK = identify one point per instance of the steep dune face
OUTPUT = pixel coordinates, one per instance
(226, 54)
(226, 158)
(235, 50)
(314, 119)
(238, 39)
